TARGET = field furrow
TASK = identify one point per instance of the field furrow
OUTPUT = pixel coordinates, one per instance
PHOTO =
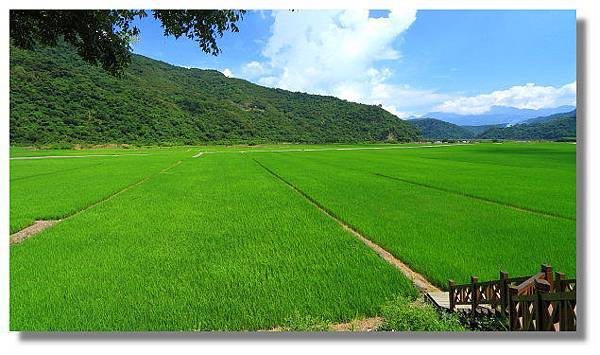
(418, 280)
(442, 235)
(547, 186)
(475, 197)
(240, 241)
(56, 188)
(215, 243)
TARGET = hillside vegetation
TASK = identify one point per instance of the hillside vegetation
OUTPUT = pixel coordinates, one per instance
(432, 128)
(549, 118)
(477, 130)
(557, 127)
(57, 97)
(552, 127)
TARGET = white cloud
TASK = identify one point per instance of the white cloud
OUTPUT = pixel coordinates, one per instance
(227, 72)
(338, 53)
(393, 110)
(345, 53)
(529, 96)
(313, 50)
(393, 97)
(253, 69)
(263, 14)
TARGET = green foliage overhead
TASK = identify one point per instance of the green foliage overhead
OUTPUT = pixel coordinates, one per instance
(57, 97)
(557, 127)
(104, 36)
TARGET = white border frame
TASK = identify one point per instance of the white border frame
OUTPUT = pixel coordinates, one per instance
(588, 228)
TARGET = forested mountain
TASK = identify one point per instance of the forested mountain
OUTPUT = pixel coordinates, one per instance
(57, 97)
(547, 118)
(477, 130)
(436, 129)
(556, 127)
(550, 127)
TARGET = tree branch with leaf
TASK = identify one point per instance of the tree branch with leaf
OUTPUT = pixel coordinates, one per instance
(104, 37)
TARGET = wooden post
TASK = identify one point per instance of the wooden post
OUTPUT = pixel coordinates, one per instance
(559, 286)
(451, 291)
(568, 322)
(547, 270)
(560, 282)
(513, 315)
(503, 292)
(474, 295)
(541, 287)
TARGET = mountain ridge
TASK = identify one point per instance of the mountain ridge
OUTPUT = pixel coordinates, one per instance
(551, 127)
(56, 97)
(498, 115)
(432, 128)
(555, 127)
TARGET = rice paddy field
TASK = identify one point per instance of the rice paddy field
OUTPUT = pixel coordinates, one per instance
(243, 238)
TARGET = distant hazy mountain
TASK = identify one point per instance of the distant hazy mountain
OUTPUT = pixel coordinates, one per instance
(436, 129)
(551, 127)
(498, 115)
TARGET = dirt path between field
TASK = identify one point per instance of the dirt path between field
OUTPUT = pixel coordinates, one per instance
(33, 229)
(331, 149)
(127, 188)
(417, 279)
(39, 226)
(359, 325)
(77, 156)
(348, 148)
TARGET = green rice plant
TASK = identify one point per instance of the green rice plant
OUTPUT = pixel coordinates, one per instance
(439, 234)
(537, 177)
(218, 243)
(49, 189)
(215, 243)
(21, 152)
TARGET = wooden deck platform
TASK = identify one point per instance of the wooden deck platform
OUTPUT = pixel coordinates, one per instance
(438, 299)
(441, 300)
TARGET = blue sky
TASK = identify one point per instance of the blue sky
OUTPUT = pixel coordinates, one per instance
(411, 62)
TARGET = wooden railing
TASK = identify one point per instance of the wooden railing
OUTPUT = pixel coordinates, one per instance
(544, 304)
(543, 301)
(493, 294)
